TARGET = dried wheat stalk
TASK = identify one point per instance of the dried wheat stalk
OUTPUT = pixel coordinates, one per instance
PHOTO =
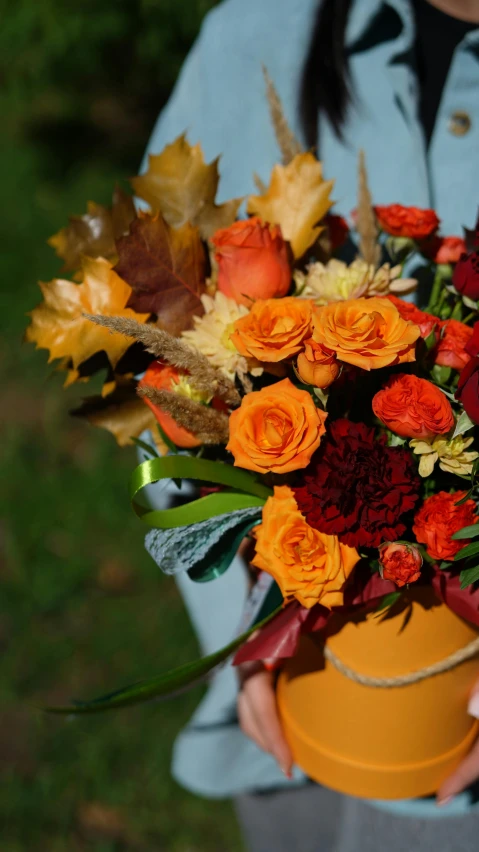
(204, 377)
(209, 426)
(369, 248)
(288, 144)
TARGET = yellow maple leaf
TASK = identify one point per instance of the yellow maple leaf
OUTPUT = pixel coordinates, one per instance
(59, 325)
(297, 199)
(183, 188)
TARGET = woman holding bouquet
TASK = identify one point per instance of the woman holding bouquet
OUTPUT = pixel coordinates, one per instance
(398, 79)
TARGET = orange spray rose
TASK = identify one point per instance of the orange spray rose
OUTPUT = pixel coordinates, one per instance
(164, 377)
(276, 429)
(274, 329)
(252, 261)
(413, 407)
(451, 349)
(400, 562)
(316, 366)
(369, 333)
(439, 518)
(307, 565)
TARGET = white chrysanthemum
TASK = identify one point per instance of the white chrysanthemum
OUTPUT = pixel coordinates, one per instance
(335, 281)
(212, 332)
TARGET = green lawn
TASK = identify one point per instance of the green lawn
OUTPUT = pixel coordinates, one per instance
(84, 608)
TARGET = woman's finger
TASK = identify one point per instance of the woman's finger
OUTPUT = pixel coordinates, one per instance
(466, 773)
(248, 724)
(259, 694)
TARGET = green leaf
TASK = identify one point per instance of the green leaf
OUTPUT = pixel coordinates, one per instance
(464, 423)
(469, 576)
(388, 601)
(162, 686)
(466, 552)
(467, 532)
(219, 558)
(441, 375)
(145, 447)
(166, 440)
(430, 340)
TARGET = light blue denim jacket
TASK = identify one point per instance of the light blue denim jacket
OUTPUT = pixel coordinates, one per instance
(219, 100)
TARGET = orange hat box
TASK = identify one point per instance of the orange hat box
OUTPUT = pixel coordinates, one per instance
(382, 743)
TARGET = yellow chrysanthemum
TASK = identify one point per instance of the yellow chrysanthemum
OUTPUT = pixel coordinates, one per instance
(212, 332)
(452, 455)
(335, 281)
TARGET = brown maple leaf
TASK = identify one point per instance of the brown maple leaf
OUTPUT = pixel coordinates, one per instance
(122, 412)
(59, 325)
(183, 188)
(297, 199)
(165, 268)
(94, 233)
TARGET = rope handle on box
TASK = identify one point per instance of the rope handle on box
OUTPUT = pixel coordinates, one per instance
(453, 660)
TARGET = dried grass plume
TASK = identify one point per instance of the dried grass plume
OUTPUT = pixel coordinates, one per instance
(204, 377)
(288, 144)
(209, 426)
(369, 248)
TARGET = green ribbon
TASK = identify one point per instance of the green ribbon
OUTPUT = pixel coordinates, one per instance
(244, 490)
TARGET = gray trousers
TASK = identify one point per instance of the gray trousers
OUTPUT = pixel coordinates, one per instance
(314, 819)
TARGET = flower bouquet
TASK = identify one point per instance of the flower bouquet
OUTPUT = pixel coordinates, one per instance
(274, 361)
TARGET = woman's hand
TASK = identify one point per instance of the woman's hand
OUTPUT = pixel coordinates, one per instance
(258, 713)
(468, 771)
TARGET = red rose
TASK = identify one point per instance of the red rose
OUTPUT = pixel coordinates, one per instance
(338, 230)
(252, 261)
(451, 351)
(439, 518)
(468, 389)
(444, 249)
(472, 346)
(358, 488)
(400, 562)
(466, 276)
(408, 311)
(409, 222)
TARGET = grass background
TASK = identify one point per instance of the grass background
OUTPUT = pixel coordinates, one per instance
(83, 607)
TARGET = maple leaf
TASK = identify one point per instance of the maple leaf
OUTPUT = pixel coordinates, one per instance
(94, 233)
(59, 325)
(122, 413)
(183, 188)
(165, 268)
(297, 199)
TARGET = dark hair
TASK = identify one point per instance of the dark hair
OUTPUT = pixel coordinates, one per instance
(325, 82)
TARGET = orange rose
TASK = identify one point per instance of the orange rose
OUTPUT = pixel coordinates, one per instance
(439, 518)
(276, 429)
(369, 333)
(400, 562)
(164, 377)
(274, 329)
(252, 261)
(307, 565)
(316, 366)
(413, 407)
(451, 351)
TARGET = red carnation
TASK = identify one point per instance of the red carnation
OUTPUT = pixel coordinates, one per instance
(411, 222)
(466, 276)
(468, 389)
(357, 487)
(409, 311)
(452, 348)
